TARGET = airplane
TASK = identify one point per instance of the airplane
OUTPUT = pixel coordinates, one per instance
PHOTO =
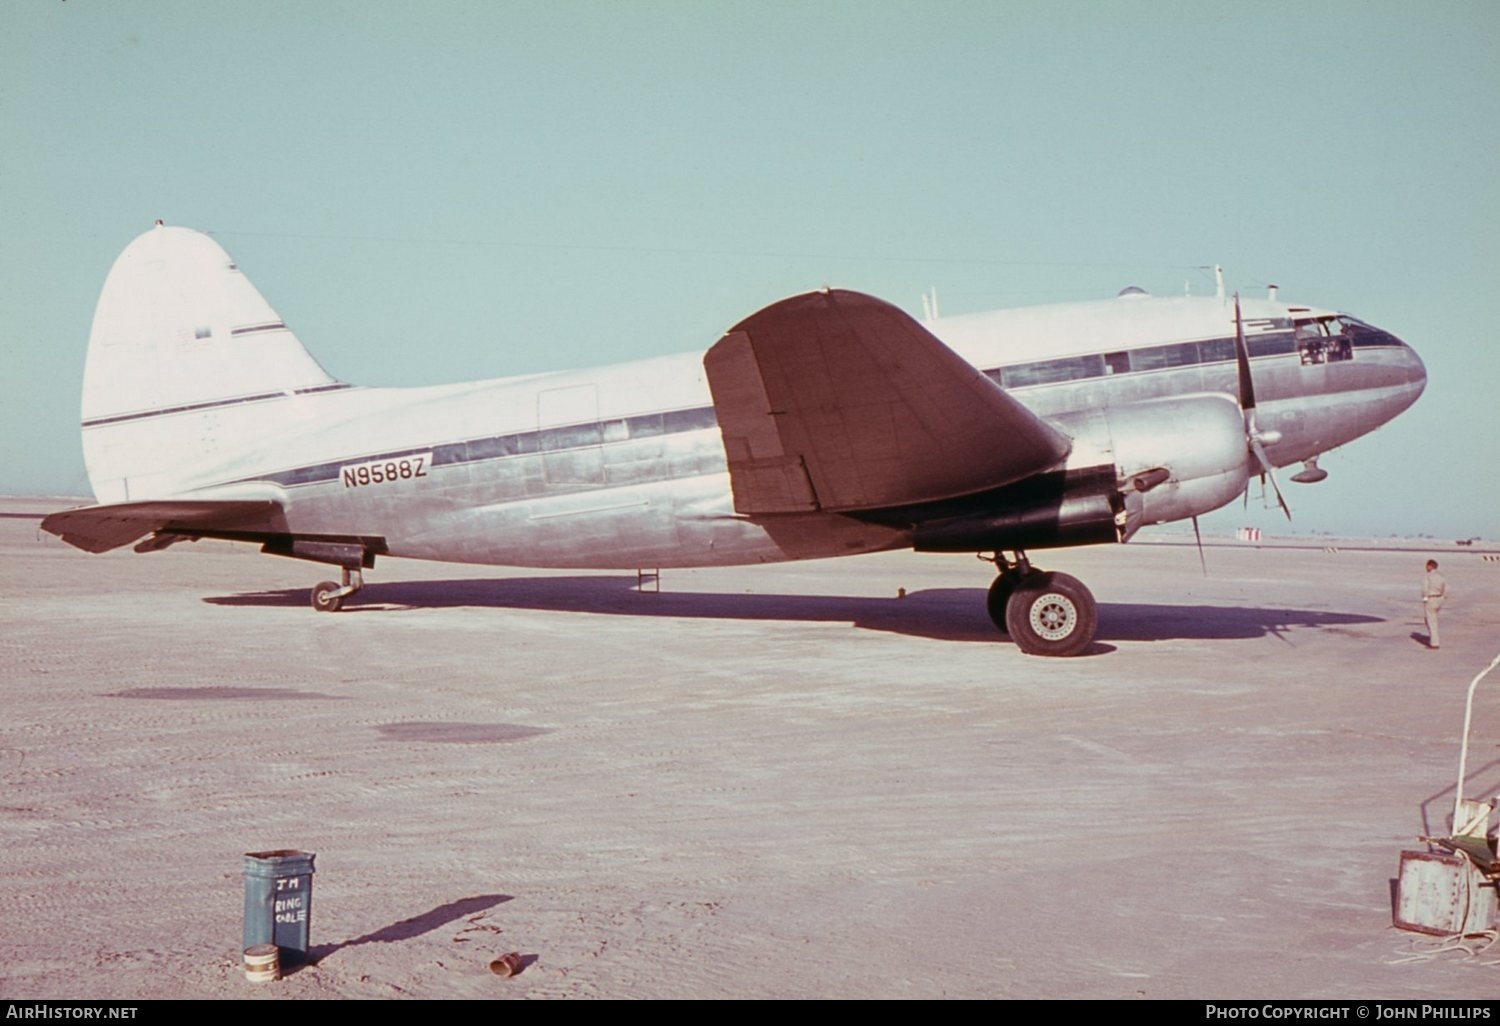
(826, 424)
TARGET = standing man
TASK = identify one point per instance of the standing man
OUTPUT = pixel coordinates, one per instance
(1434, 591)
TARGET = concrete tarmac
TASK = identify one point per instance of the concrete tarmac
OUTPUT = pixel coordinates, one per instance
(779, 781)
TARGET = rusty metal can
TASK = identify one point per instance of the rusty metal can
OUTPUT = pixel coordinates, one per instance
(507, 964)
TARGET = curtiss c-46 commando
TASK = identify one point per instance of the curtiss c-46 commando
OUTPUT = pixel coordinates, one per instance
(827, 424)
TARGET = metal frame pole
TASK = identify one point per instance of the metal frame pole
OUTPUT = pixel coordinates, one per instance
(1463, 758)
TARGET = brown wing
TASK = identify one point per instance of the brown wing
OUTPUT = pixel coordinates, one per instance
(839, 401)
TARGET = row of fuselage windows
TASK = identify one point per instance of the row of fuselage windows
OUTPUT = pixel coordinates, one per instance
(672, 422)
(577, 436)
(556, 439)
(1181, 354)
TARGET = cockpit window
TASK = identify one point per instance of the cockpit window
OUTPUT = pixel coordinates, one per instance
(1367, 336)
(1322, 340)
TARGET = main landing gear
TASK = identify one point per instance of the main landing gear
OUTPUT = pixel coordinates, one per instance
(1045, 613)
(328, 597)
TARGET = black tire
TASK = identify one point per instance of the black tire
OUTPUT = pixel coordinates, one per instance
(1052, 614)
(323, 598)
(998, 598)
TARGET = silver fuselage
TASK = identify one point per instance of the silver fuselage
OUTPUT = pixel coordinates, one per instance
(624, 466)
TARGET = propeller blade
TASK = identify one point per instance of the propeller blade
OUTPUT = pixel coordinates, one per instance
(1203, 562)
(1247, 404)
(1269, 472)
(1242, 360)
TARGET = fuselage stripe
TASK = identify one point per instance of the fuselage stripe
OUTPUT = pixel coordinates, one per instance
(561, 438)
(211, 405)
(252, 328)
(591, 434)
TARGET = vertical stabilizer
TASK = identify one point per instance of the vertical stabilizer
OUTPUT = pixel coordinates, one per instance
(180, 340)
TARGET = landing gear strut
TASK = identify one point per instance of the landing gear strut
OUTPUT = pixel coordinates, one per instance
(1044, 612)
(1009, 575)
(328, 597)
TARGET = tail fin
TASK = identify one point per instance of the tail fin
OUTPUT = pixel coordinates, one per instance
(180, 341)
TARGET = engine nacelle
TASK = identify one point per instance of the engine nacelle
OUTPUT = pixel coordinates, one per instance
(1175, 458)
(1049, 511)
(1142, 463)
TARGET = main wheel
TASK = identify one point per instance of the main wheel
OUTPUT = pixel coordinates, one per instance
(323, 598)
(998, 598)
(1052, 614)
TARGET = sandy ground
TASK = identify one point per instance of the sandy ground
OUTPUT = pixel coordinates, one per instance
(780, 781)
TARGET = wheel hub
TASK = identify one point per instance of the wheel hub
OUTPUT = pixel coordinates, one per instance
(1053, 616)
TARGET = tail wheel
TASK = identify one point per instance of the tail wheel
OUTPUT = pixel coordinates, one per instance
(999, 598)
(1051, 614)
(323, 598)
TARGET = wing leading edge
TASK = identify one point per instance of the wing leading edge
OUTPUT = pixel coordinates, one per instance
(839, 401)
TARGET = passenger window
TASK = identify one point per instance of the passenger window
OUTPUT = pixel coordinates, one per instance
(1048, 372)
(1275, 344)
(1180, 354)
(1216, 350)
(645, 426)
(485, 449)
(689, 420)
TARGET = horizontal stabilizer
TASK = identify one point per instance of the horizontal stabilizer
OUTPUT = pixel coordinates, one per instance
(839, 401)
(101, 528)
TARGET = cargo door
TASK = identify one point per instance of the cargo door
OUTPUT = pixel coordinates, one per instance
(569, 436)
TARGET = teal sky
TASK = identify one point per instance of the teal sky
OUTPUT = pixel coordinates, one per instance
(449, 191)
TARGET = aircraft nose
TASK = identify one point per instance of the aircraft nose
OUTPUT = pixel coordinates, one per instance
(1413, 376)
(1395, 375)
(1416, 371)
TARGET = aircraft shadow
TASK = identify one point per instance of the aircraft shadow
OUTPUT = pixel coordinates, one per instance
(472, 909)
(947, 614)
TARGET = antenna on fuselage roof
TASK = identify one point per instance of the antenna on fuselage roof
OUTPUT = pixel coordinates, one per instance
(1218, 281)
(929, 305)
